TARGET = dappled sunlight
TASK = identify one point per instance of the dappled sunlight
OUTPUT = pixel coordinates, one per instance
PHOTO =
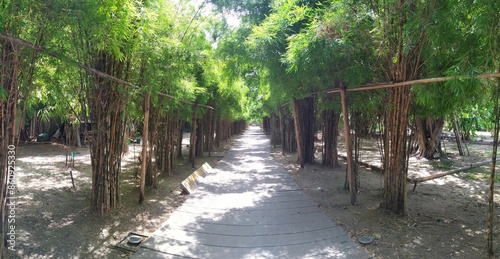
(224, 201)
(54, 220)
(253, 143)
(249, 207)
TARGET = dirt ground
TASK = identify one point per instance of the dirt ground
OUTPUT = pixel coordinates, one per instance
(446, 217)
(53, 220)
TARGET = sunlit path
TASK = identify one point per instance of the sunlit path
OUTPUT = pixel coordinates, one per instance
(249, 207)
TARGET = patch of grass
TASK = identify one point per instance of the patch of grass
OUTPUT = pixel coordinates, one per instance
(442, 164)
(479, 174)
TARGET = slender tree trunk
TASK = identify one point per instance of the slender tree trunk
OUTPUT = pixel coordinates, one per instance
(9, 73)
(275, 129)
(200, 137)
(145, 140)
(491, 193)
(309, 136)
(298, 132)
(266, 125)
(180, 136)
(347, 135)
(282, 130)
(303, 114)
(192, 143)
(218, 130)
(213, 126)
(106, 102)
(330, 133)
(152, 165)
(403, 62)
(458, 138)
(209, 131)
(395, 134)
(290, 144)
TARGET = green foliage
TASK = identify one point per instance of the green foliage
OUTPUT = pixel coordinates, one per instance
(282, 49)
(252, 12)
(3, 94)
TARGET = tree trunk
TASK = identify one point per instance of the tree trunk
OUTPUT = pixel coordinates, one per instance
(330, 133)
(282, 130)
(152, 165)
(396, 150)
(403, 61)
(347, 134)
(200, 137)
(106, 102)
(275, 131)
(9, 73)
(266, 125)
(192, 142)
(289, 138)
(303, 113)
(218, 130)
(145, 139)
(209, 131)
(428, 133)
(491, 193)
(458, 138)
(180, 136)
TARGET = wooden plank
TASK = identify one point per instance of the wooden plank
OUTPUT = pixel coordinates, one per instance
(191, 182)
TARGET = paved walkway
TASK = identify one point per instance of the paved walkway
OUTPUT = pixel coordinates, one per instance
(249, 207)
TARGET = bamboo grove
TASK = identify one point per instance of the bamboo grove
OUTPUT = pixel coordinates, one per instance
(123, 67)
(405, 79)
(396, 71)
(404, 69)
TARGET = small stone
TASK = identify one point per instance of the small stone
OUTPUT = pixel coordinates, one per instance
(377, 236)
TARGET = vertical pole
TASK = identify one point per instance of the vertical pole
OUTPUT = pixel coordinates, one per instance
(210, 137)
(192, 144)
(298, 131)
(145, 131)
(347, 133)
(491, 192)
(282, 130)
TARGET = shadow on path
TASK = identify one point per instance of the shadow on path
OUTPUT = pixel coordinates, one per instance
(249, 207)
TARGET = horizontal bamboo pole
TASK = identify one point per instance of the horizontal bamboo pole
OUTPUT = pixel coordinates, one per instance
(94, 71)
(413, 82)
(415, 181)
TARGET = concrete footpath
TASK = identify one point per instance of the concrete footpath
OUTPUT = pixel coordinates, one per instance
(249, 207)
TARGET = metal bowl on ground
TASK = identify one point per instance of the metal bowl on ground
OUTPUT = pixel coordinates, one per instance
(134, 240)
(365, 240)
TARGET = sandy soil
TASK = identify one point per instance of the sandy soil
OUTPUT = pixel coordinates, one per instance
(53, 220)
(446, 217)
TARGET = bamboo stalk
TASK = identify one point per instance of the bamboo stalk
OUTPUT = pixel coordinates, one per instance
(192, 144)
(491, 193)
(298, 132)
(147, 98)
(412, 82)
(347, 133)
